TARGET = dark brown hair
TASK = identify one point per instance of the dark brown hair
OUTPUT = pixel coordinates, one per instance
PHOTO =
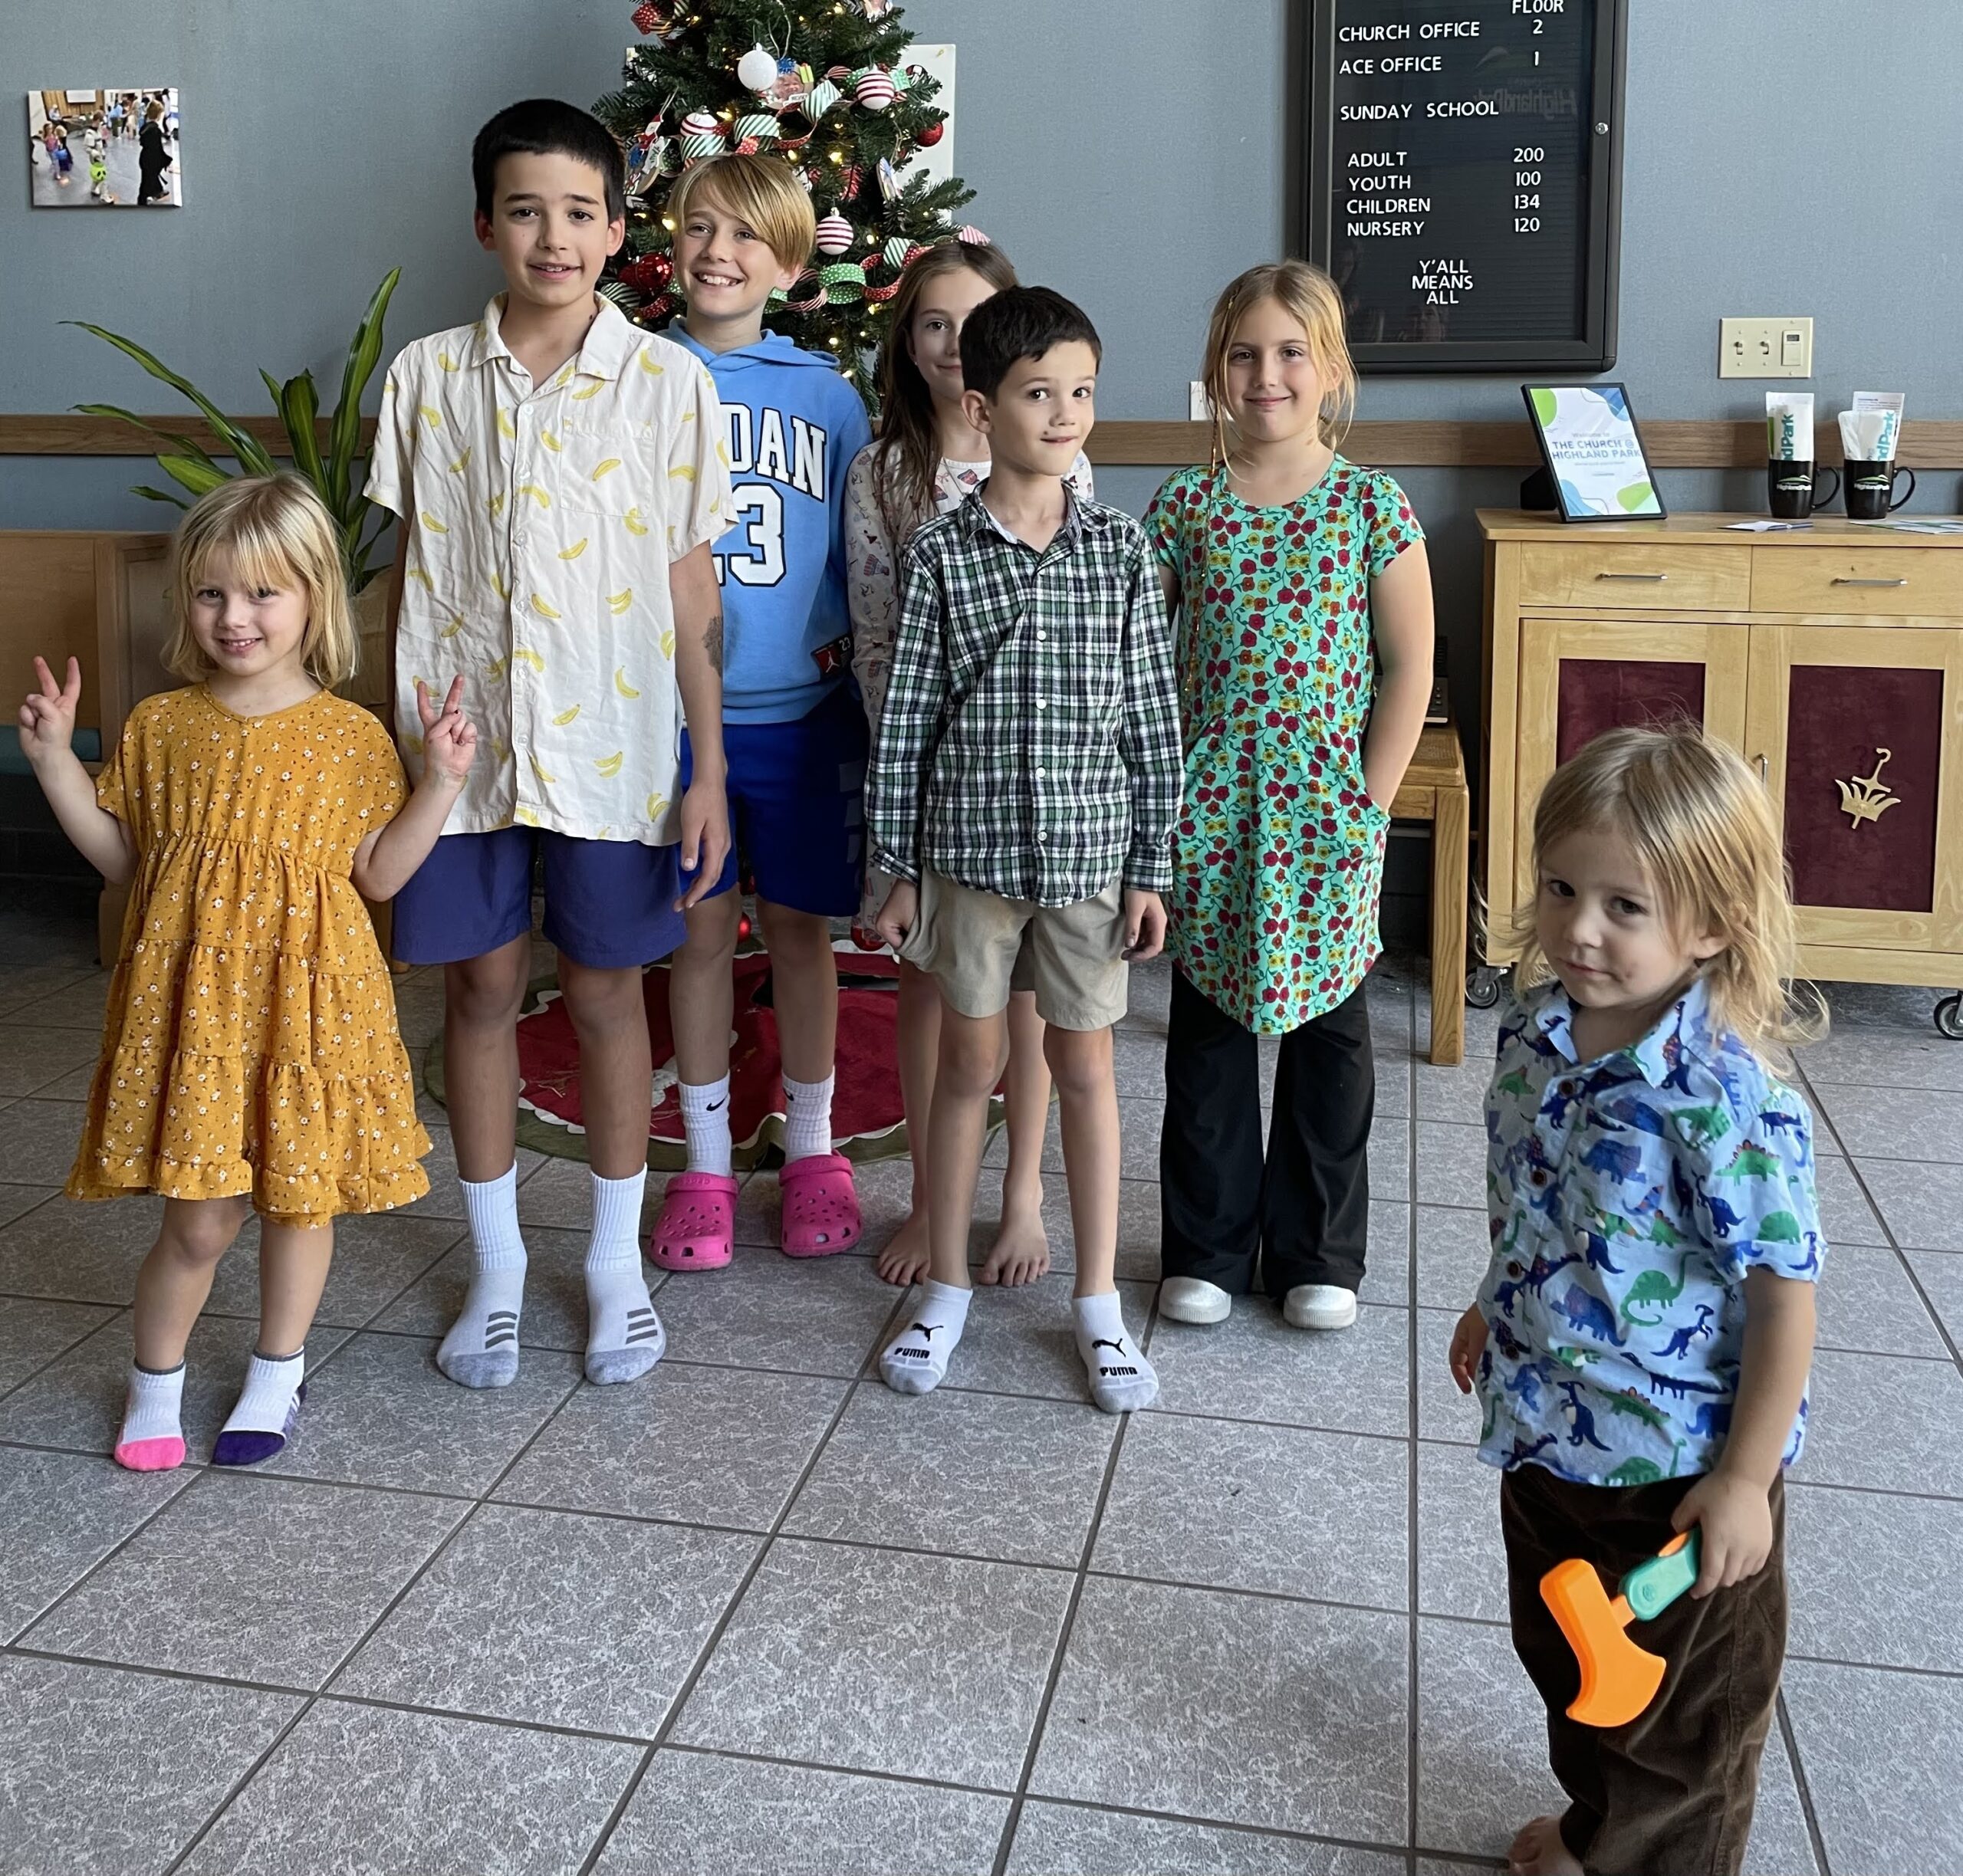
(907, 456)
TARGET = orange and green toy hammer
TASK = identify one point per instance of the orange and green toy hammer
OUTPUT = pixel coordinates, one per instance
(1618, 1679)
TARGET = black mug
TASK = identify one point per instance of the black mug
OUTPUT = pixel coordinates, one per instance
(1794, 491)
(1870, 489)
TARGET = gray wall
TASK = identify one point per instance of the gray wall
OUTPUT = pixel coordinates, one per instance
(1133, 152)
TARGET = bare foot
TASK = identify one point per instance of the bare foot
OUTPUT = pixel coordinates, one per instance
(1020, 1253)
(904, 1260)
(1538, 1850)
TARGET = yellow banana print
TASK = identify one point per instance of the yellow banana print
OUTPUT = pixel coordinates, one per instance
(685, 470)
(431, 415)
(563, 378)
(498, 586)
(612, 462)
(524, 654)
(610, 765)
(526, 815)
(566, 716)
(650, 366)
(621, 685)
(453, 627)
(544, 774)
(668, 641)
(536, 493)
(463, 461)
(633, 518)
(500, 748)
(722, 452)
(580, 397)
(540, 606)
(429, 521)
(506, 428)
(618, 602)
(495, 505)
(657, 805)
(574, 551)
(688, 416)
(444, 360)
(550, 441)
(494, 672)
(428, 585)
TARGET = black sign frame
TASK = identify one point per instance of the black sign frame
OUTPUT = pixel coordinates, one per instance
(1599, 263)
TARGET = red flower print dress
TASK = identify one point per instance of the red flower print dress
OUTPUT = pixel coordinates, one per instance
(1278, 850)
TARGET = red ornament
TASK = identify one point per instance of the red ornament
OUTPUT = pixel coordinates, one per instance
(649, 273)
(931, 135)
(849, 181)
(651, 18)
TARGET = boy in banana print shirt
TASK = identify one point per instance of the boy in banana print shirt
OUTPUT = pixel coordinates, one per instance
(560, 476)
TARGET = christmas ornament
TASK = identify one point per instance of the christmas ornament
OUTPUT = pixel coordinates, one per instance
(848, 179)
(874, 89)
(844, 281)
(840, 75)
(757, 68)
(968, 232)
(898, 251)
(879, 296)
(702, 135)
(806, 294)
(654, 20)
(931, 135)
(648, 273)
(834, 234)
(821, 98)
(794, 129)
(889, 179)
(788, 88)
(758, 126)
(875, 9)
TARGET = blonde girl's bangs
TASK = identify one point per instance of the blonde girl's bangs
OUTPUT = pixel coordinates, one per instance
(272, 531)
(1701, 825)
(1311, 298)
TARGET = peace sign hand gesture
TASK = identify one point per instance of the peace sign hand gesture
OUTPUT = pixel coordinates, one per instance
(449, 738)
(47, 717)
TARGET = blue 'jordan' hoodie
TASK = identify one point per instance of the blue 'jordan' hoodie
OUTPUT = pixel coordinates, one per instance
(792, 425)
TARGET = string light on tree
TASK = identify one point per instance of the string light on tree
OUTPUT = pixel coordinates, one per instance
(826, 89)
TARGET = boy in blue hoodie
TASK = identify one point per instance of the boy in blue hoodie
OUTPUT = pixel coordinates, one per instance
(794, 732)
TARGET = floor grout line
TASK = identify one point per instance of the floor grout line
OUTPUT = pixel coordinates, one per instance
(1783, 1719)
(1413, 1764)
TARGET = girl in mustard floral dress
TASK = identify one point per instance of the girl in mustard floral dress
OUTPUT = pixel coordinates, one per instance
(1304, 662)
(250, 1055)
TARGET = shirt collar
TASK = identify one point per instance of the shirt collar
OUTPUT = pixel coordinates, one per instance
(603, 352)
(978, 519)
(1686, 1023)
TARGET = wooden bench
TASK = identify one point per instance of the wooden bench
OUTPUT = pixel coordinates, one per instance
(1435, 790)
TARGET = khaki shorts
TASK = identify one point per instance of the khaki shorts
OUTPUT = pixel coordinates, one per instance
(978, 947)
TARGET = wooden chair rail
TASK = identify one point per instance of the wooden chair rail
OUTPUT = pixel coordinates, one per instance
(1695, 444)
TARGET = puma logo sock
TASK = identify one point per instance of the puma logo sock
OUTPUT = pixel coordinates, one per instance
(705, 1122)
(916, 1362)
(1122, 1380)
(481, 1348)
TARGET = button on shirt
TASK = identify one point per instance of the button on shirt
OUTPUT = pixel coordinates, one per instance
(1627, 1198)
(1029, 745)
(541, 521)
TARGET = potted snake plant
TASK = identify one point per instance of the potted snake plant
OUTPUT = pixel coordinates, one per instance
(196, 472)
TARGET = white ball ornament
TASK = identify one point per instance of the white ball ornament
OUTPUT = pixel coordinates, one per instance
(834, 234)
(874, 89)
(757, 68)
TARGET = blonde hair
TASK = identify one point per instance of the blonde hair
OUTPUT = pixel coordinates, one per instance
(1309, 296)
(763, 191)
(275, 531)
(1702, 826)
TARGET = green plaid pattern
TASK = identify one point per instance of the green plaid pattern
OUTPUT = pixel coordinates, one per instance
(1030, 743)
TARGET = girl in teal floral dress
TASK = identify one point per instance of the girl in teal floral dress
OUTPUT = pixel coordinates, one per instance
(1304, 660)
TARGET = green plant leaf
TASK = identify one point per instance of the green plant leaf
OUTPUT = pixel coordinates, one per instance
(179, 445)
(237, 442)
(363, 354)
(159, 495)
(199, 478)
(299, 407)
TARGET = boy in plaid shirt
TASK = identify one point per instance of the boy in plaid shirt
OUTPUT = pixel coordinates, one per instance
(1025, 779)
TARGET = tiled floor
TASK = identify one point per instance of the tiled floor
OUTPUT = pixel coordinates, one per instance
(758, 1615)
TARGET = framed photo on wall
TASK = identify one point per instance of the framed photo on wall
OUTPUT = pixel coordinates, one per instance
(115, 148)
(1589, 441)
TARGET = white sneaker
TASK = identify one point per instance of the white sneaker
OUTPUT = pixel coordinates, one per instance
(1318, 1305)
(1193, 1299)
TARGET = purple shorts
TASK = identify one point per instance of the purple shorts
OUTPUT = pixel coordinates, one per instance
(609, 904)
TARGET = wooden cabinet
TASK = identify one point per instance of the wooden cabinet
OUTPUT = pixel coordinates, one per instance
(1831, 659)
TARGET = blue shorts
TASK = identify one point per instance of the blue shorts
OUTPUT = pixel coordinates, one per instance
(609, 904)
(796, 806)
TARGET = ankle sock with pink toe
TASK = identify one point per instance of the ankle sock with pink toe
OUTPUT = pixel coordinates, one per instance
(152, 1437)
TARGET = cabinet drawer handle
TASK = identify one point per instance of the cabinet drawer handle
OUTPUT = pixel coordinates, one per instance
(1841, 579)
(1658, 578)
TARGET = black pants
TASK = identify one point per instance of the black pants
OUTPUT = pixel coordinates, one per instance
(1304, 1213)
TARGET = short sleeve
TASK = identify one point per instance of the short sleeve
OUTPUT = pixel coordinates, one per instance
(1390, 525)
(388, 462)
(117, 782)
(385, 787)
(1166, 521)
(700, 507)
(1758, 1197)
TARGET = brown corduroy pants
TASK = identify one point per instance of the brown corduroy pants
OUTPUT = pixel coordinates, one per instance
(1670, 1793)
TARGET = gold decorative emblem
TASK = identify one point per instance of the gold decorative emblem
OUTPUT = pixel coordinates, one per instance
(1864, 798)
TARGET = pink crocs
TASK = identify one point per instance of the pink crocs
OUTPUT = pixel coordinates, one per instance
(821, 1207)
(697, 1226)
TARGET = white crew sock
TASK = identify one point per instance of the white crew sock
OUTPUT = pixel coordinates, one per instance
(916, 1362)
(705, 1120)
(806, 1117)
(481, 1349)
(1121, 1379)
(152, 1438)
(623, 1335)
(268, 1411)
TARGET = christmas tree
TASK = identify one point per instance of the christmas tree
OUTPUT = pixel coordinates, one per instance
(823, 85)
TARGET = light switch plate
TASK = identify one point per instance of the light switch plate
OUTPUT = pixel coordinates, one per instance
(1765, 348)
(1196, 406)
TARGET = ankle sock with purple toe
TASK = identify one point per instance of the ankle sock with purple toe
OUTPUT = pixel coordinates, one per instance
(268, 1414)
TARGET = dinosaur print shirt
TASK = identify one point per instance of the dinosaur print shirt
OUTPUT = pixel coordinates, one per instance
(1627, 1198)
